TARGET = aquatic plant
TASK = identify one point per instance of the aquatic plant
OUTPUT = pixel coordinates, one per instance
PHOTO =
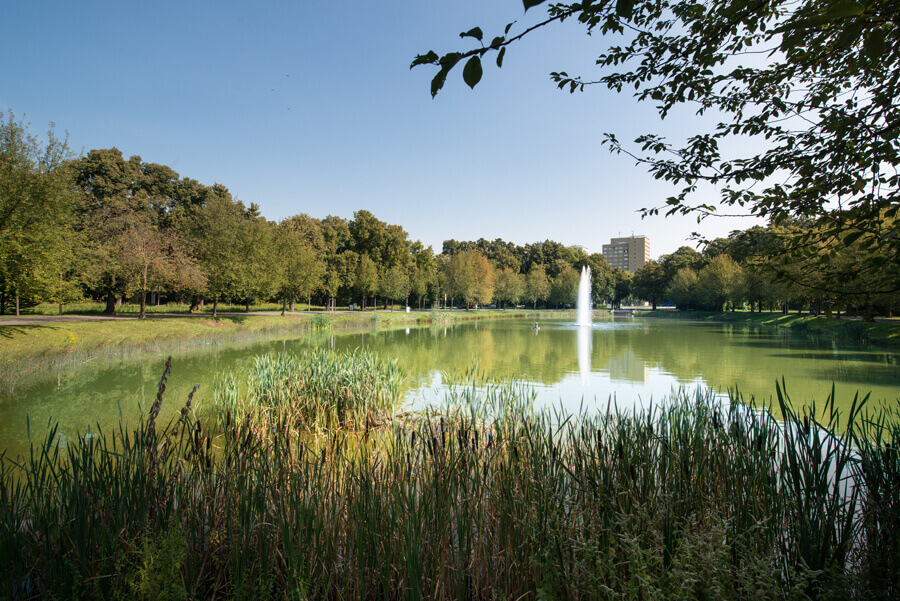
(320, 389)
(481, 498)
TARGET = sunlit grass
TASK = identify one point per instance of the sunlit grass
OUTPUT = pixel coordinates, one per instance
(27, 349)
(317, 391)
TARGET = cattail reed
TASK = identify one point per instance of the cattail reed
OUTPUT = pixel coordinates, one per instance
(514, 503)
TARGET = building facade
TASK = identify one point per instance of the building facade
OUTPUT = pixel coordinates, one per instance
(629, 254)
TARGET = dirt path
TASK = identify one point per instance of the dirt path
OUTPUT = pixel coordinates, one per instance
(26, 320)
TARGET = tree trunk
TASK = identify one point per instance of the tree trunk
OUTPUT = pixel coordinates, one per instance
(195, 303)
(111, 303)
(309, 303)
(283, 304)
(653, 304)
(17, 302)
(143, 314)
(293, 300)
(3, 302)
(248, 307)
(215, 305)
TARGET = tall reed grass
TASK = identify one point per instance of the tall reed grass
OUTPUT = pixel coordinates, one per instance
(481, 499)
(319, 390)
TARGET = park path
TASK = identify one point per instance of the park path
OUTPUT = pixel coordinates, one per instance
(25, 320)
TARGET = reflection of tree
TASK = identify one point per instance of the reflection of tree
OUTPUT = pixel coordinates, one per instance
(721, 355)
(724, 356)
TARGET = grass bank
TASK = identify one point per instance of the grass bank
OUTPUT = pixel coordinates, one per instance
(36, 347)
(484, 500)
(884, 333)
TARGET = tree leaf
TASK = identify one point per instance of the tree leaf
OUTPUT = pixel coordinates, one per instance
(624, 8)
(500, 56)
(449, 60)
(475, 32)
(875, 46)
(851, 238)
(844, 8)
(472, 72)
(809, 23)
(438, 82)
(424, 59)
(529, 3)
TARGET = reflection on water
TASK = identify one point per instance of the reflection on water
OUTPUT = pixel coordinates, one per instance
(629, 361)
(585, 336)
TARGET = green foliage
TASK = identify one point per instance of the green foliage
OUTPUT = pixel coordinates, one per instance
(649, 283)
(821, 112)
(317, 391)
(509, 286)
(158, 564)
(537, 285)
(564, 288)
(681, 288)
(37, 204)
(482, 498)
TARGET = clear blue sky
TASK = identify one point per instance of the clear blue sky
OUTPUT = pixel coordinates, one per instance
(311, 107)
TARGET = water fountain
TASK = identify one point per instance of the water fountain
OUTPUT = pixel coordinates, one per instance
(583, 302)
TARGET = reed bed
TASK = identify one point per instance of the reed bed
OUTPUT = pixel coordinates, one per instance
(483, 498)
(317, 391)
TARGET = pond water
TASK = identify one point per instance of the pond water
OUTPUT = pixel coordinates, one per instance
(630, 360)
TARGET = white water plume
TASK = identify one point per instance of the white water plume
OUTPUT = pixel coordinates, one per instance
(583, 302)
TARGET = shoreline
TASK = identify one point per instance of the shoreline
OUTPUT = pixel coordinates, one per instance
(45, 342)
(882, 332)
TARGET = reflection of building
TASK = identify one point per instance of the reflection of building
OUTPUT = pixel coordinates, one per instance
(628, 253)
(628, 367)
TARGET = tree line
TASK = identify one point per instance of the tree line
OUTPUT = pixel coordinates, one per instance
(750, 270)
(111, 228)
(104, 227)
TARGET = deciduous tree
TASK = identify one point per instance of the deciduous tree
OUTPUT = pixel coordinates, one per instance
(537, 284)
(36, 210)
(805, 97)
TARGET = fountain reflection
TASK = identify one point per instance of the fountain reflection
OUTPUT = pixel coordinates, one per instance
(585, 336)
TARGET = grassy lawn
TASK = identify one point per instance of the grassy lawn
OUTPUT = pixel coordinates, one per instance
(97, 308)
(34, 347)
(852, 331)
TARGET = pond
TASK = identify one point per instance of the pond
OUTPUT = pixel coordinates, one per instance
(629, 360)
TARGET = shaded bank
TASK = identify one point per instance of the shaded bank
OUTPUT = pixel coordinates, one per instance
(883, 332)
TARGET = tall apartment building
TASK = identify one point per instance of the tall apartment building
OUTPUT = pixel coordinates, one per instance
(628, 253)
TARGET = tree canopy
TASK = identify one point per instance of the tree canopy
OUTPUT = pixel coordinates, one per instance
(813, 84)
